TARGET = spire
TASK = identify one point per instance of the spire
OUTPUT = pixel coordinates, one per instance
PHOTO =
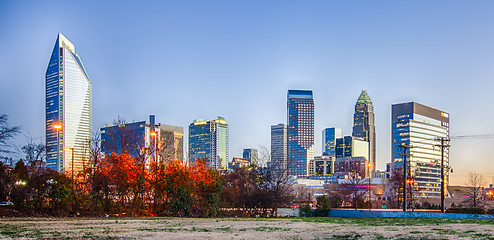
(364, 98)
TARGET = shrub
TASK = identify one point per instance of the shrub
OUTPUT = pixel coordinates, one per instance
(466, 210)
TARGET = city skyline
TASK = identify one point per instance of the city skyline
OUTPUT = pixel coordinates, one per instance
(434, 53)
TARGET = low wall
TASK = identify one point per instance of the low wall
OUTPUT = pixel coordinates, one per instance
(399, 214)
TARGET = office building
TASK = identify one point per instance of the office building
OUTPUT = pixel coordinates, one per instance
(300, 132)
(279, 144)
(363, 125)
(251, 155)
(324, 165)
(146, 139)
(349, 146)
(420, 127)
(68, 109)
(209, 140)
(329, 136)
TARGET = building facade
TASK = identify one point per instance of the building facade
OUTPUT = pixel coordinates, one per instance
(279, 145)
(329, 136)
(209, 140)
(363, 125)
(146, 139)
(68, 109)
(300, 106)
(251, 155)
(349, 146)
(421, 128)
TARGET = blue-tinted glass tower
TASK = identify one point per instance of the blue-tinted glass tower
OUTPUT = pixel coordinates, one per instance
(300, 106)
(329, 136)
(209, 140)
(68, 109)
(251, 155)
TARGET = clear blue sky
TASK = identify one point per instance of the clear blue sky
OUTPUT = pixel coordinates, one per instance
(184, 60)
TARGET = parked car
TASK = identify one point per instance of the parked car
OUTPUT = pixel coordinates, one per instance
(6, 203)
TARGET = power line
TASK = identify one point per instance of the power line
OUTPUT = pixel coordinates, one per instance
(474, 136)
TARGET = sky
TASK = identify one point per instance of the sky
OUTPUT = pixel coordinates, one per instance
(184, 60)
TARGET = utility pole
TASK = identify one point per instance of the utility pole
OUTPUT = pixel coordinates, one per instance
(405, 173)
(443, 146)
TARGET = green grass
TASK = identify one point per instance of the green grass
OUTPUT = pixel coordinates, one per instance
(13, 231)
(271, 229)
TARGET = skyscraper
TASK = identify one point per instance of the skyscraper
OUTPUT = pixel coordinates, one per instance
(68, 109)
(209, 140)
(363, 125)
(251, 155)
(279, 143)
(329, 136)
(300, 131)
(420, 127)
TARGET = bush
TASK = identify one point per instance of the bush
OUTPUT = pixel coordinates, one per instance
(466, 210)
(490, 211)
(305, 210)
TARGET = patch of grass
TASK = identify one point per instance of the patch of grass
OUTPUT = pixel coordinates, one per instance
(158, 229)
(415, 232)
(271, 229)
(225, 229)
(13, 231)
(242, 229)
(347, 236)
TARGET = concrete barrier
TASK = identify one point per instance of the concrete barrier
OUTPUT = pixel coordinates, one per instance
(399, 214)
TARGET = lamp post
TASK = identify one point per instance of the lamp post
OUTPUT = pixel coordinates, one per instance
(72, 149)
(58, 127)
(368, 167)
(155, 146)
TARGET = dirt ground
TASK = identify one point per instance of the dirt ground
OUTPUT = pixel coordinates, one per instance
(241, 228)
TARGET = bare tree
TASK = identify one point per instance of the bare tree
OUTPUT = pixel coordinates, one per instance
(475, 183)
(352, 188)
(35, 152)
(6, 135)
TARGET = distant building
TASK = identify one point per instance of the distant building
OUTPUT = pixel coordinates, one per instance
(420, 127)
(300, 132)
(329, 136)
(209, 140)
(324, 165)
(352, 165)
(363, 125)
(251, 155)
(68, 109)
(238, 163)
(279, 142)
(148, 139)
(349, 146)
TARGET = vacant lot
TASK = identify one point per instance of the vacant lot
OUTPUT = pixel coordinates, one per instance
(234, 228)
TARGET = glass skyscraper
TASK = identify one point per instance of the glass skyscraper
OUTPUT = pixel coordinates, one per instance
(300, 132)
(251, 155)
(68, 109)
(363, 125)
(329, 136)
(420, 127)
(279, 138)
(209, 140)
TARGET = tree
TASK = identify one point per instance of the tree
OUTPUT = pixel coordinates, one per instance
(475, 183)
(34, 152)
(351, 189)
(6, 135)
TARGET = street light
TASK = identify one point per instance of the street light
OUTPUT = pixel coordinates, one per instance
(72, 149)
(153, 134)
(58, 127)
(370, 202)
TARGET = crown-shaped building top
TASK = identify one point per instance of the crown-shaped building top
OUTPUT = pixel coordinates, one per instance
(364, 98)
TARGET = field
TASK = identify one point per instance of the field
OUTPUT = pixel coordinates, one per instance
(242, 228)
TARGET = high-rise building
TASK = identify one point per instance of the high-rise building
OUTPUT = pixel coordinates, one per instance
(148, 139)
(300, 132)
(420, 127)
(68, 109)
(209, 140)
(363, 125)
(279, 143)
(251, 155)
(329, 136)
(349, 146)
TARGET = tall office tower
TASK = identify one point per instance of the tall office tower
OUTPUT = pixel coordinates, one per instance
(209, 140)
(300, 132)
(148, 139)
(251, 155)
(279, 140)
(363, 125)
(329, 136)
(68, 109)
(420, 127)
